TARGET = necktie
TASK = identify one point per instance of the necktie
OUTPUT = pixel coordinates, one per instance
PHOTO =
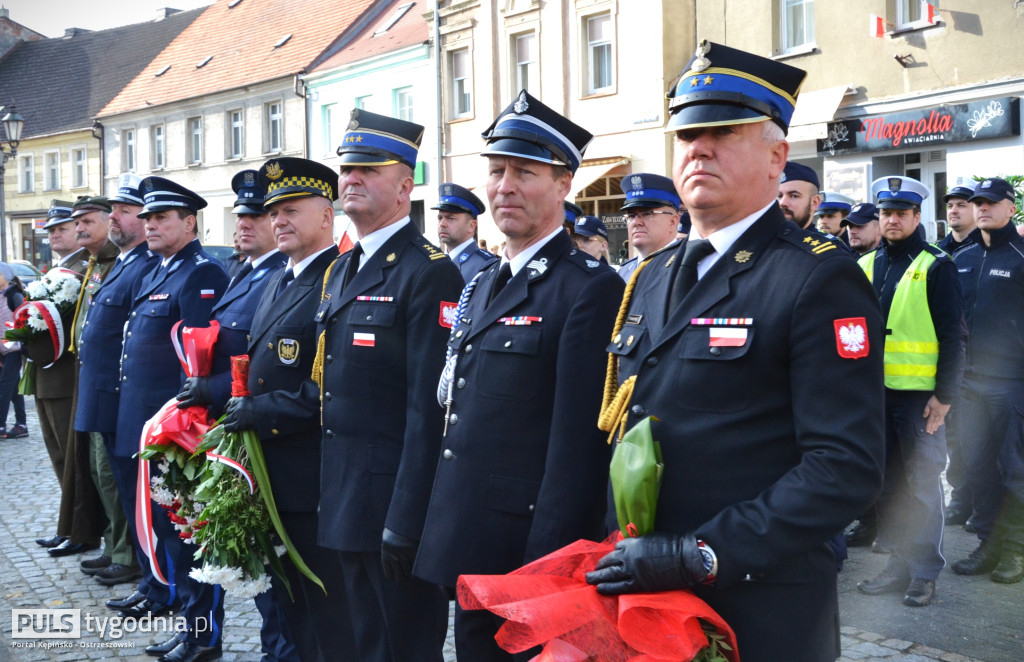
(240, 276)
(289, 276)
(352, 266)
(686, 277)
(504, 276)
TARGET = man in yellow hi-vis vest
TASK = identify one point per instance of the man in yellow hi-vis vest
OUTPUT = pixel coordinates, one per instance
(924, 351)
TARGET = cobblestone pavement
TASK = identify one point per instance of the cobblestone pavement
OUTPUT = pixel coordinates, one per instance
(973, 616)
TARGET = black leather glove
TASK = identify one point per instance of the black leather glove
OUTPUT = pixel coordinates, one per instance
(239, 415)
(397, 554)
(655, 562)
(196, 391)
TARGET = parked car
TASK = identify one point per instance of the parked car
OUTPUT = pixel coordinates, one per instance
(26, 271)
(219, 252)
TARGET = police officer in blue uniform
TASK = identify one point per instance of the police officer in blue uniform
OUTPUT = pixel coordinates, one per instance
(959, 224)
(456, 229)
(284, 406)
(523, 467)
(832, 210)
(992, 279)
(383, 321)
(184, 286)
(572, 212)
(750, 319)
(652, 216)
(920, 297)
(591, 237)
(862, 228)
(234, 313)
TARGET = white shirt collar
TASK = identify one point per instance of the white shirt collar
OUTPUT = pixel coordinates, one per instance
(261, 259)
(297, 268)
(724, 238)
(521, 260)
(461, 248)
(372, 242)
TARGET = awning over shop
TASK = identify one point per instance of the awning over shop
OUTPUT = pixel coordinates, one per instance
(814, 110)
(590, 170)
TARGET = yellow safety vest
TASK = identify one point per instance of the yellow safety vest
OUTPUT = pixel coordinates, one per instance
(911, 346)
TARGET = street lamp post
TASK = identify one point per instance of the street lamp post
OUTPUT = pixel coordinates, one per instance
(13, 123)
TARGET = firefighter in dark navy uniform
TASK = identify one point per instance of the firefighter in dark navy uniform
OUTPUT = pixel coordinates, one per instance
(750, 320)
(524, 467)
(457, 213)
(382, 325)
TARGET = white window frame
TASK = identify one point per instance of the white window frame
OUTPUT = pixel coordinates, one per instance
(363, 102)
(591, 46)
(26, 173)
(51, 170)
(274, 126)
(905, 11)
(461, 82)
(236, 133)
(327, 128)
(787, 40)
(128, 156)
(79, 167)
(194, 136)
(402, 103)
(525, 72)
(158, 136)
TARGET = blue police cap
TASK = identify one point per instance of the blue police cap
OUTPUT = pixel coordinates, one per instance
(994, 189)
(833, 202)
(591, 226)
(459, 199)
(798, 172)
(530, 130)
(963, 188)
(292, 177)
(161, 194)
(861, 214)
(59, 213)
(250, 191)
(128, 191)
(572, 211)
(684, 223)
(898, 192)
(648, 190)
(379, 140)
(722, 85)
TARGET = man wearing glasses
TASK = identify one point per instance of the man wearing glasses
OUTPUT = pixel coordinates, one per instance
(652, 214)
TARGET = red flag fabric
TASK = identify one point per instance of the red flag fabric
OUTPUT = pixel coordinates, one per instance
(549, 603)
(876, 26)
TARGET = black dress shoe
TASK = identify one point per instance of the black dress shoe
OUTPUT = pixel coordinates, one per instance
(167, 646)
(983, 559)
(124, 603)
(861, 535)
(1011, 565)
(146, 609)
(94, 565)
(190, 651)
(51, 542)
(67, 548)
(116, 573)
(889, 581)
(920, 593)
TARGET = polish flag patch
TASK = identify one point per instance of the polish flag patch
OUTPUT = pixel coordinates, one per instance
(206, 294)
(363, 339)
(852, 337)
(727, 336)
(446, 318)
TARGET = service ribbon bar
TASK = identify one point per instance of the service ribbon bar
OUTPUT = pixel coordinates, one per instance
(521, 320)
(366, 298)
(722, 321)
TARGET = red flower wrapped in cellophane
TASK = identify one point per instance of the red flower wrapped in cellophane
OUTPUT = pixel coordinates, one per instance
(171, 437)
(549, 603)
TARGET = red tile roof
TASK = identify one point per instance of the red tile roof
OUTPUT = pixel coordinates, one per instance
(410, 29)
(240, 42)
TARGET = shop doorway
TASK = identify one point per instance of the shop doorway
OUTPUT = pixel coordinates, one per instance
(929, 168)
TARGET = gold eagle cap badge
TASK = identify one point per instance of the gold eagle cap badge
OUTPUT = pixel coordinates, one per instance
(274, 171)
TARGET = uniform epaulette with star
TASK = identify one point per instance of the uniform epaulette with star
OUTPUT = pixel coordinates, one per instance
(430, 250)
(812, 242)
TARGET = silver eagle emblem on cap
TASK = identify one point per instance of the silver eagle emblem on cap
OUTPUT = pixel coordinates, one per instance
(447, 189)
(521, 105)
(700, 61)
(637, 182)
(895, 184)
